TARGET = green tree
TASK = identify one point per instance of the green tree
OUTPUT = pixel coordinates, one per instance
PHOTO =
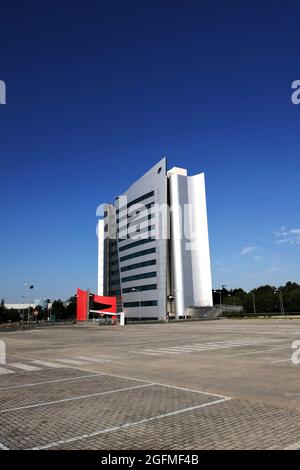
(13, 315)
(3, 312)
(291, 297)
(58, 310)
(266, 299)
(71, 307)
(41, 313)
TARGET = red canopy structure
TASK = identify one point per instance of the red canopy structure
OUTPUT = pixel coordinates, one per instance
(103, 304)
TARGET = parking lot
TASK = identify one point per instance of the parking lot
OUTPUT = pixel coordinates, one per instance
(226, 384)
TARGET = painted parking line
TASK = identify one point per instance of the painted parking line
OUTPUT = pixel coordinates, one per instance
(48, 364)
(256, 352)
(145, 353)
(108, 356)
(46, 382)
(187, 349)
(20, 357)
(127, 425)
(200, 347)
(161, 384)
(81, 397)
(3, 447)
(294, 446)
(5, 371)
(71, 361)
(26, 367)
(201, 392)
(194, 348)
(93, 359)
(162, 351)
(282, 360)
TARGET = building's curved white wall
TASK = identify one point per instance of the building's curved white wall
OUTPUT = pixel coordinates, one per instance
(200, 255)
(190, 257)
(100, 234)
(176, 242)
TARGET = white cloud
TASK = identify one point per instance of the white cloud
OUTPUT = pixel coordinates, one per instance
(281, 234)
(290, 237)
(258, 258)
(284, 240)
(248, 249)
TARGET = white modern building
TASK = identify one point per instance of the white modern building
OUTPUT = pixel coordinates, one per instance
(24, 306)
(153, 246)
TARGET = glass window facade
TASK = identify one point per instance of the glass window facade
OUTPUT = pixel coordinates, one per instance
(136, 201)
(136, 277)
(135, 232)
(126, 290)
(137, 243)
(151, 262)
(143, 303)
(138, 253)
(134, 213)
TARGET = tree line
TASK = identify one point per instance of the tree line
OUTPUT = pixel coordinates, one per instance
(263, 299)
(59, 311)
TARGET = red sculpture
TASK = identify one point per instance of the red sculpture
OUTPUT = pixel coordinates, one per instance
(105, 304)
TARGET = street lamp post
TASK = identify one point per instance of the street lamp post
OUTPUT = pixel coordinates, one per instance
(281, 301)
(23, 309)
(30, 287)
(233, 296)
(44, 308)
(134, 289)
(254, 305)
(179, 303)
(282, 304)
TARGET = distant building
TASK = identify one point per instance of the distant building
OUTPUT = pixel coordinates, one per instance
(35, 303)
(153, 246)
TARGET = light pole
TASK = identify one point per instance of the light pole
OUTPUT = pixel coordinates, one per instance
(45, 306)
(282, 304)
(171, 299)
(179, 303)
(281, 301)
(254, 305)
(135, 289)
(23, 309)
(233, 296)
(30, 287)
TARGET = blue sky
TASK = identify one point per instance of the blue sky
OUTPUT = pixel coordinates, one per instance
(97, 92)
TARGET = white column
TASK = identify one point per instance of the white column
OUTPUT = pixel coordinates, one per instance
(200, 255)
(100, 234)
(176, 243)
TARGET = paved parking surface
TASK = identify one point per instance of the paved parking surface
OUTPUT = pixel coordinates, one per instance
(227, 384)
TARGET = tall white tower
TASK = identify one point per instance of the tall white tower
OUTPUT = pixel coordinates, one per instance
(100, 234)
(190, 256)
